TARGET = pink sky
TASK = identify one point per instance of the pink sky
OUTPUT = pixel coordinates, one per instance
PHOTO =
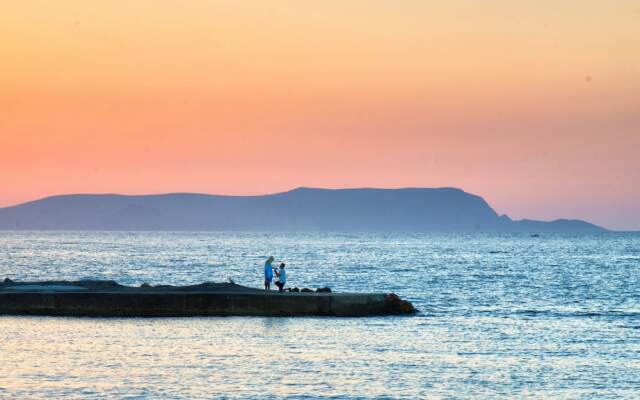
(533, 105)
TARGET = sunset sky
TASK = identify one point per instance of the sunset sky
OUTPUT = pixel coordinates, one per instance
(534, 105)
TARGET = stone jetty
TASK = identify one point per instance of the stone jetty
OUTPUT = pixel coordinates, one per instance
(91, 298)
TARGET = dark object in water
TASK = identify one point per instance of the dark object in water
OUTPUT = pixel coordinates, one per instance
(110, 299)
(401, 306)
(323, 290)
(145, 285)
(7, 280)
(535, 235)
(295, 289)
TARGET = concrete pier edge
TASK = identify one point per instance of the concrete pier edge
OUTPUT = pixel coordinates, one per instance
(110, 299)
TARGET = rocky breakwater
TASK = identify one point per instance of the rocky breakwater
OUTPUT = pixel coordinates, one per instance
(110, 299)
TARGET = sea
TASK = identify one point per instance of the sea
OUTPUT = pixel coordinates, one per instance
(501, 316)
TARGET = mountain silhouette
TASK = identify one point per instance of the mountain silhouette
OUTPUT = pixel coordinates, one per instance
(302, 209)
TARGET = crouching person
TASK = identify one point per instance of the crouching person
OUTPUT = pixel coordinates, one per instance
(282, 277)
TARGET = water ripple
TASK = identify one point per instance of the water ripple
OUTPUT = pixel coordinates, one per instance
(502, 316)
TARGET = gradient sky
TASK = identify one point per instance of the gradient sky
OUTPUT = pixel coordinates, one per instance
(534, 105)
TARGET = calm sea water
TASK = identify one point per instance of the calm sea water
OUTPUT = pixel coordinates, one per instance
(555, 316)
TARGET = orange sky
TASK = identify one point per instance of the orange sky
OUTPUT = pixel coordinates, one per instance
(535, 105)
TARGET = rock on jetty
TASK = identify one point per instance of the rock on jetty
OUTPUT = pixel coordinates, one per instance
(110, 299)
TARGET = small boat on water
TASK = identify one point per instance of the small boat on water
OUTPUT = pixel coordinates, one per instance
(94, 298)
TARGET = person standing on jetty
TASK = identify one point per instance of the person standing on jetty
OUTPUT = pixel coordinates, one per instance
(282, 278)
(268, 273)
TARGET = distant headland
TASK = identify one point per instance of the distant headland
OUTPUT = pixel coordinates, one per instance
(301, 209)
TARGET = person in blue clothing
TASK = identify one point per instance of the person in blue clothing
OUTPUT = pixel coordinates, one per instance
(268, 273)
(282, 278)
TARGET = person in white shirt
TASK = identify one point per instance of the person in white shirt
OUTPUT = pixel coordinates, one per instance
(282, 277)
